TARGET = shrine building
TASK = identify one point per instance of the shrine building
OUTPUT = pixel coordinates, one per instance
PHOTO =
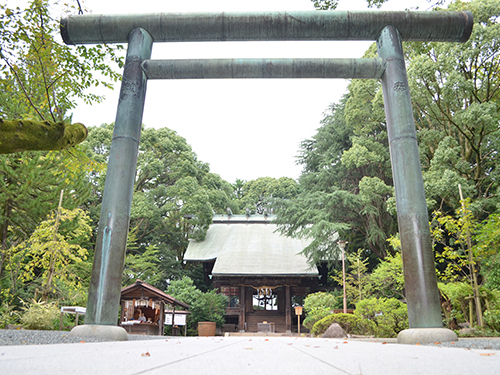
(262, 272)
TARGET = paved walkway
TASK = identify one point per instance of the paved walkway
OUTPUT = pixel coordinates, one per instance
(245, 355)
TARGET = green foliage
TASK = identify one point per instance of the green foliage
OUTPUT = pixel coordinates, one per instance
(458, 293)
(209, 306)
(389, 314)
(346, 166)
(50, 260)
(346, 184)
(456, 97)
(492, 315)
(41, 77)
(387, 279)
(332, 4)
(7, 315)
(175, 196)
(260, 195)
(488, 244)
(40, 315)
(351, 324)
(319, 305)
(356, 277)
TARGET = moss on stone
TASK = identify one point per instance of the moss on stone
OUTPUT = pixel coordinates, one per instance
(29, 135)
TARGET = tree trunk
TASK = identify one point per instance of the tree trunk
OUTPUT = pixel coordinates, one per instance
(50, 275)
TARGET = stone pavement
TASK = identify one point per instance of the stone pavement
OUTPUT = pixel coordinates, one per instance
(245, 355)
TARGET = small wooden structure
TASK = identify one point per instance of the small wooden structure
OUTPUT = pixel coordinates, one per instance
(143, 308)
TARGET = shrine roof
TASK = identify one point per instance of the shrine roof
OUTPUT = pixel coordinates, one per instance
(252, 247)
(140, 289)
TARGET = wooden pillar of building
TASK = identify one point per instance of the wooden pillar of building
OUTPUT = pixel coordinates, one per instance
(288, 309)
(161, 320)
(243, 299)
(122, 312)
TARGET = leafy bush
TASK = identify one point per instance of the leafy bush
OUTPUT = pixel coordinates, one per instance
(491, 317)
(351, 324)
(318, 306)
(7, 315)
(311, 319)
(40, 315)
(389, 315)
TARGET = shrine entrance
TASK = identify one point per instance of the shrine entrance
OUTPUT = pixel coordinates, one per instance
(388, 29)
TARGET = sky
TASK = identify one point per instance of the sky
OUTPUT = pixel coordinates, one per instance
(244, 129)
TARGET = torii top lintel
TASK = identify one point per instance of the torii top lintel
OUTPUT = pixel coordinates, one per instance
(440, 26)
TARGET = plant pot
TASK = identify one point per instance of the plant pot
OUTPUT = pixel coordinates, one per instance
(206, 328)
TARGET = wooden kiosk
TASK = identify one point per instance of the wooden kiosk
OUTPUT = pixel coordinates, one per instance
(143, 309)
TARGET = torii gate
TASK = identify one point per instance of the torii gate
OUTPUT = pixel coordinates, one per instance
(388, 29)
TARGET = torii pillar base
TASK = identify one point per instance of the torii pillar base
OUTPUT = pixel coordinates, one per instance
(426, 336)
(102, 332)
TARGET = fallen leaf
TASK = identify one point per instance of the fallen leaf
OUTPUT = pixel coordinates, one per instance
(486, 354)
(345, 342)
(83, 342)
(336, 347)
(437, 343)
(417, 343)
(290, 344)
(248, 348)
(385, 342)
(266, 340)
(146, 354)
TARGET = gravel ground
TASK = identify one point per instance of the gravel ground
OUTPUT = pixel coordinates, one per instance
(28, 337)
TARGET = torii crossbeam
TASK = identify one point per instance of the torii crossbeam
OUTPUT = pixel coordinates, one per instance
(388, 29)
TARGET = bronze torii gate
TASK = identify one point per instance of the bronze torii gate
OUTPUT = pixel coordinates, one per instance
(388, 29)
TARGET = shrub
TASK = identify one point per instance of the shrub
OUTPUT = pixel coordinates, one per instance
(312, 318)
(351, 324)
(492, 317)
(389, 315)
(318, 306)
(40, 315)
(7, 315)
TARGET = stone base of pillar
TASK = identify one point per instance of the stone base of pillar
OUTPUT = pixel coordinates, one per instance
(426, 336)
(102, 332)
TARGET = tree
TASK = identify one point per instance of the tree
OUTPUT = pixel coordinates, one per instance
(175, 197)
(356, 276)
(52, 261)
(260, 195)
(456, 98)
(345, 186)
(41, 77)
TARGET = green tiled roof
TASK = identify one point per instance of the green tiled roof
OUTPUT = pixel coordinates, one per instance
(250, 248)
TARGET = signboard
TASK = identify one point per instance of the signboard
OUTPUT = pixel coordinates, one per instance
(179, 320)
